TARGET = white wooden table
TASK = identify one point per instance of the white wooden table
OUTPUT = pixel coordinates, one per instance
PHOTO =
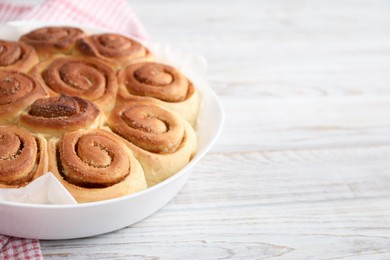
(302, 168)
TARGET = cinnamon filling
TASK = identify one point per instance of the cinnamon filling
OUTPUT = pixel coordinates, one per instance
(79, 77)
(156, 80)
(117, 46)
(18, 156)
(14, 86)
(59, 36)
(112, 41)
(60, 113)
(10, 53)
(92, 160)
(153, 74)
(62, 106)
(111, 46)
(10, 146)
(148, 127)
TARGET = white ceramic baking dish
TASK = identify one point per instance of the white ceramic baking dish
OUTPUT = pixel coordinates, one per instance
(83, 220)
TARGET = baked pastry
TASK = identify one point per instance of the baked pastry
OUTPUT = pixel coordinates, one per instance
(17, 56)
(52, 40)
(55, 116)
(161, 84)
(115, 49)
(17, 91)
(95, 165)
(84, 77)
(23, 157)
(94, 110)
(160, 139)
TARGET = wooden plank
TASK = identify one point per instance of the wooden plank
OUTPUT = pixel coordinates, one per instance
(274, 124)
(282, 203)
(282, 49)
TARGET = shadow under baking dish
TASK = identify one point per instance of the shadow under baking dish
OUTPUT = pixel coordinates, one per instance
(89, 219)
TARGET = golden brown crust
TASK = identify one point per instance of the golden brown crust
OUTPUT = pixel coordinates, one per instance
(23, 157)
(52, 40)
(17, 56)
(95, 165)
(61, 114)
(156, 80)
(162, 84)
(84, 77)
(17, 91)
(64, 100)
(160, 139)
(148, 126)
(115, 49)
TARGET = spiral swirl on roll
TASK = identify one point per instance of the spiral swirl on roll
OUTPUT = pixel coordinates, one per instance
(93, 159)
(56, 115)
(115, 49)
(161, 84)
(19, 156)
(17, 91)
(17, 56)
(156, 80)
(88, 78)
(51, 40)
(160, 139)
(148, 126)
(95, 165)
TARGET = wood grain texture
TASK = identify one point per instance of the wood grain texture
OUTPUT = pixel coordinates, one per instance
(301, 170)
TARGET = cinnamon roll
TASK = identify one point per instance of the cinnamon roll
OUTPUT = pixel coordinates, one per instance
(88, 78)
(161, 84)
(23, 157)
(17, 92)
(54, 116)
(17, 56)
(95, 165)
(160, 139)
(52, 40)
(115, 49)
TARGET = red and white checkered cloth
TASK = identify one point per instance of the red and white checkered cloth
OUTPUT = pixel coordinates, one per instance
(115, 15)
(18, 248)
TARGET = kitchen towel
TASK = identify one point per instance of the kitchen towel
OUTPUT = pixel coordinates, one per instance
(114, 15)
(19, 248)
